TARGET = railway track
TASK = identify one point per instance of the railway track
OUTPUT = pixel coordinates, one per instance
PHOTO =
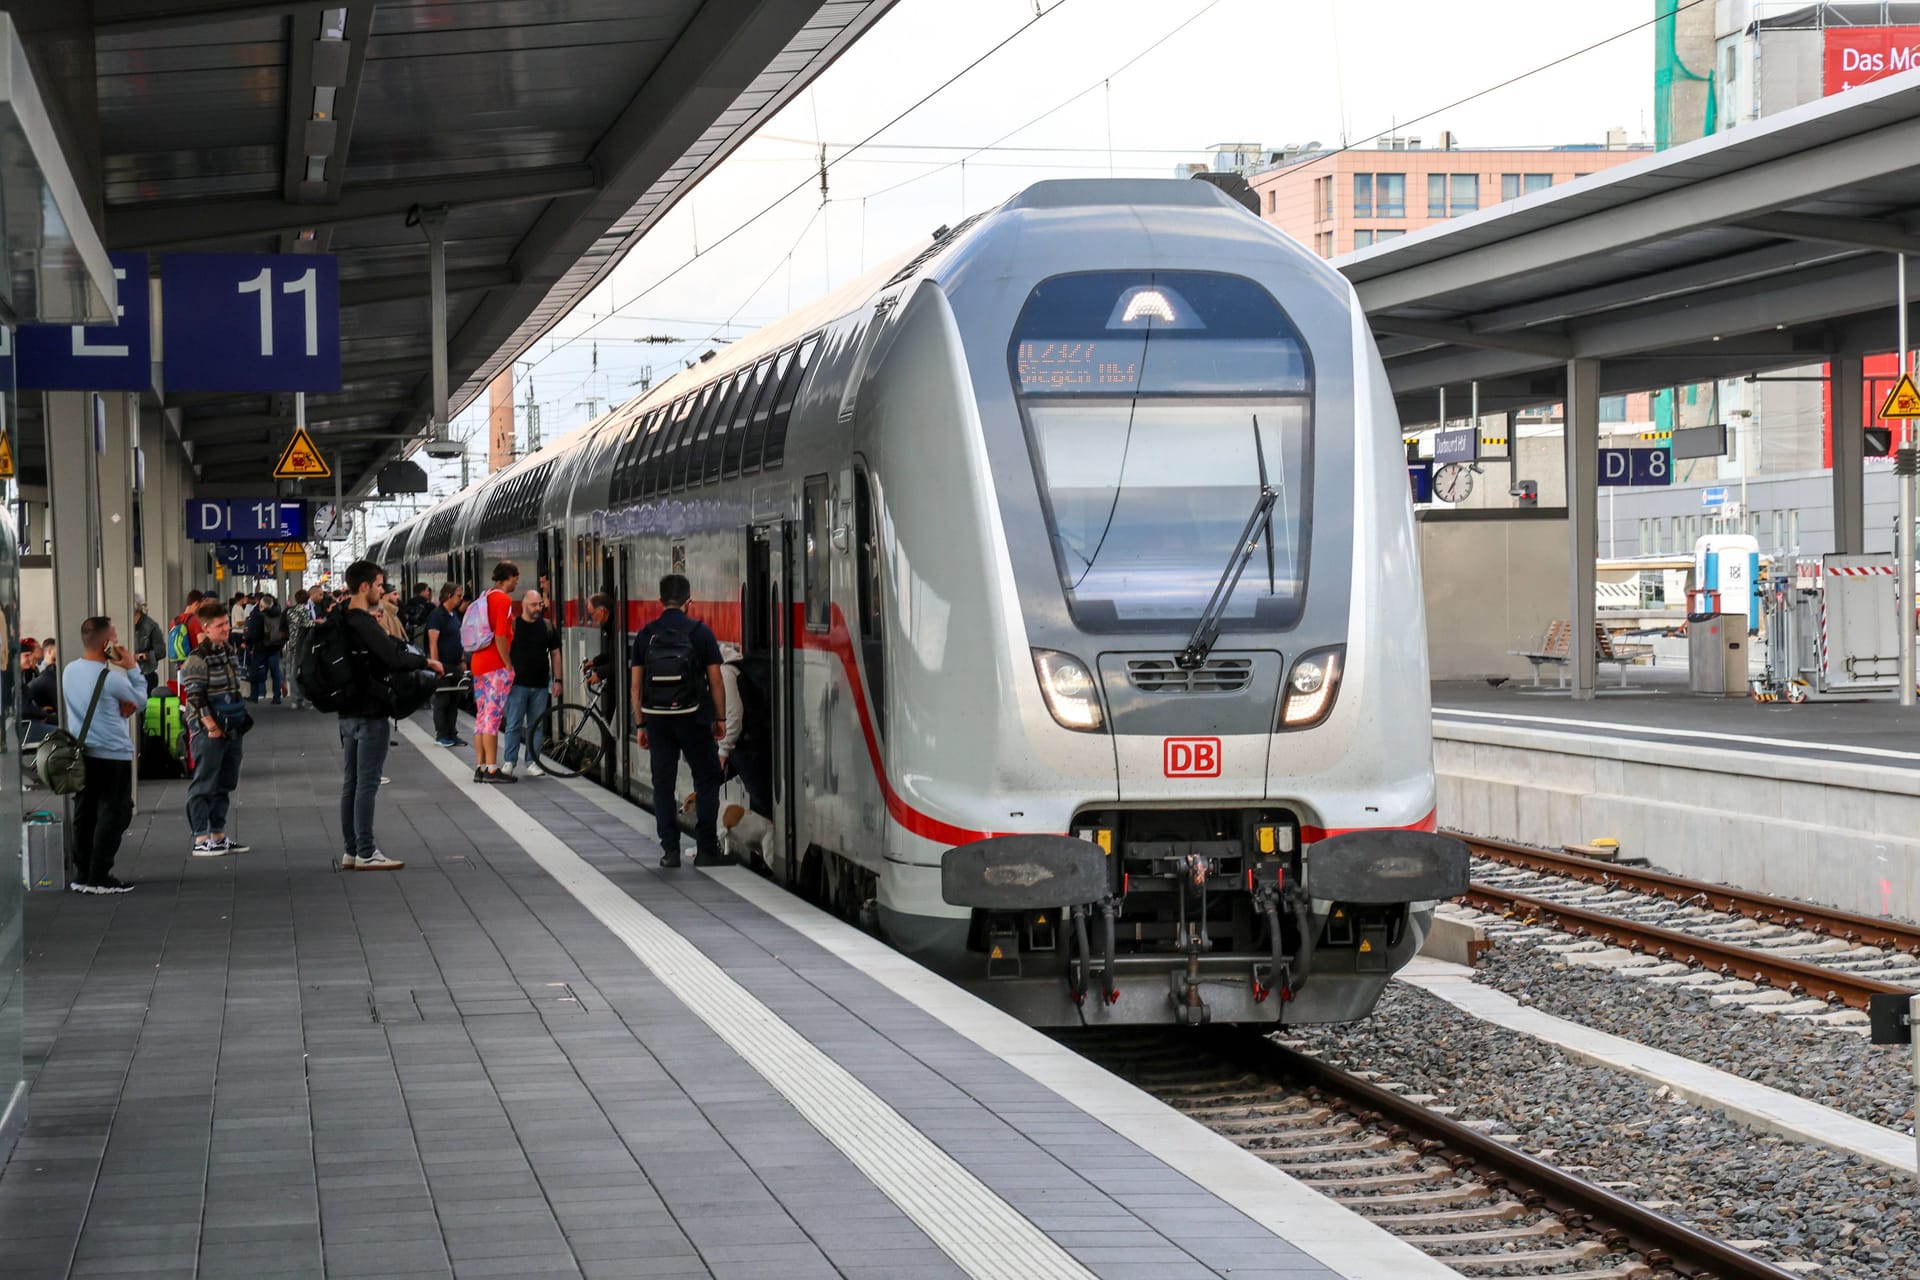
(1481, 1206)
(1808, 952)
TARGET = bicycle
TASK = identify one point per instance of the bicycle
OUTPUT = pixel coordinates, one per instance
(576, 737)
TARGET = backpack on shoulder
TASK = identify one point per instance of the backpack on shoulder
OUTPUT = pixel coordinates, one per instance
(330, 676)
(178, 645)
(476, 628)
(674, 681)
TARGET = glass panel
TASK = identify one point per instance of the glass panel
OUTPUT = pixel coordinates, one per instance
(722, 420)
(814, 515)
(1537, 182)
(1389, 195)
(1363, 195)
(1509, 186)
(1363, 239)
(1153, 403)
(783, 405)
(13, 1097)
(1466, 193)
(689, 460)
(1436, 195)
(754, 380)
(763, 411)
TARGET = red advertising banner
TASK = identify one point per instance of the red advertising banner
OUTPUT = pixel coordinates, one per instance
(1861, 55)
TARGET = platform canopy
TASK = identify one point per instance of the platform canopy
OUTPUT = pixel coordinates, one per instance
(556, 132)
(1765, 247)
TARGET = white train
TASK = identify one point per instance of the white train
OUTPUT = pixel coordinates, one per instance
(1080, 547)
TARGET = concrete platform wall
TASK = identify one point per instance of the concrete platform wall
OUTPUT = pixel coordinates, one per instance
(1490, 586)
(1830, 832)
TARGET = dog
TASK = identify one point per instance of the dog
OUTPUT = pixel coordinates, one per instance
(744, 834)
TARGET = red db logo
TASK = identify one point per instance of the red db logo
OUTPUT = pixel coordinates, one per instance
(1191, 757)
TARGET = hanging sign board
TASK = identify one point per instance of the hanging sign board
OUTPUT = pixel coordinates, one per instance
(301, 459)
(250, 321)
(1905, 400)
(6, 457)
(94, 357)
(1629, 468)
(293, 560)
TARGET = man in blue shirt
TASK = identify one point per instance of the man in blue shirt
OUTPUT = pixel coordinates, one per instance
(443, 645)
(681, 708)
(104, 808)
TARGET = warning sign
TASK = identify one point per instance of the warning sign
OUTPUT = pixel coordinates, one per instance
(1905, 400)
(301, 460)
(6, 457)
(293, 560)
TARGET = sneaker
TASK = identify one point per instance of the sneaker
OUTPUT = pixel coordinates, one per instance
(509, 767)
(446, 742)
(712, 860)
(378, 862)
(80, 887)
(535, 771)
(461, 742)
(384, 779)
(112, 885)
(501, 776)
(209, 848)
(348, 862)
(670, 859)
(234, 846)
(479, 773)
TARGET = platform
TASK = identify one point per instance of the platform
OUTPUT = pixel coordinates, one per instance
(1815, 801)
(533, 1053)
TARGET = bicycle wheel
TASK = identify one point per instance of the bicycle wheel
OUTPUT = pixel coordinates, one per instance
(574, 740)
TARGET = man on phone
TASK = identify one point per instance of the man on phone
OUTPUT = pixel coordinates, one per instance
(107, 672)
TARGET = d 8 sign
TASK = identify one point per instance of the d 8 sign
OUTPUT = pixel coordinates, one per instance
(1191, 757)
(251, 322)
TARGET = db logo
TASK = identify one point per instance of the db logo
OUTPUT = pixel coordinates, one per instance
(1191, 757)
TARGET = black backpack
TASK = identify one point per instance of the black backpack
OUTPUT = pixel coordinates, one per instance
(674, 681)
(330, 676)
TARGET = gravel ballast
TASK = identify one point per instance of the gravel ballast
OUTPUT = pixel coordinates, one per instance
(1793, 1203)
(1834, 1068)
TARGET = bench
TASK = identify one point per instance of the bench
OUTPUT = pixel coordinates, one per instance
(1556, 646)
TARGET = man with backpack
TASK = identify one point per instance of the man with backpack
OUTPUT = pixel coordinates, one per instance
(486, 634)
(414, 614)
(299, 628)
(149, 645)
(680, 704)
(266, 638)
(350, 670)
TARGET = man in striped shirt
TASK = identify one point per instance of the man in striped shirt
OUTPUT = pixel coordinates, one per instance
(216, 711)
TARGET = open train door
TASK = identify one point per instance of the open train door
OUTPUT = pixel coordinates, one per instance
(620, 566)
(767, 628)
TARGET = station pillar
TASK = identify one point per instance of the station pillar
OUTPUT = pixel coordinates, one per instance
(1583, 518)
(72, 525)
(1849, 456)
(163, 529)
(120, 414)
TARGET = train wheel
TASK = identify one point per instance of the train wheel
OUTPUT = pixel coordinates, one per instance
(572, 741)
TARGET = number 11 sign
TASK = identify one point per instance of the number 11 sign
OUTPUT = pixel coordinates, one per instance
(250, 321)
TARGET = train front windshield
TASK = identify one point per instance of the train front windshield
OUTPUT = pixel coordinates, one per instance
(1153, 402)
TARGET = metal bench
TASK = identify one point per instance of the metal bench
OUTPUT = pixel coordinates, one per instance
(1556, 650)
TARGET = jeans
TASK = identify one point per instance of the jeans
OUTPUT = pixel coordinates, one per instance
(101, 814)
(526, 714)
(216, 772)
(363, 747)
(266, 664)
(668, 739)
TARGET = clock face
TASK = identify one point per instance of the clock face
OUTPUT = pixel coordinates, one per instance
(1452, 483)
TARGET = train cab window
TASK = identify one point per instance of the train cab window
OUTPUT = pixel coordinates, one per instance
(866, 533)
(1154, 403)
(783, 406)
(815, 517)
(754, 457)
(741, 437)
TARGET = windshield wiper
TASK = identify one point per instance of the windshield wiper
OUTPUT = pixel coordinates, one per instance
(1204, 635)
(1260, 456)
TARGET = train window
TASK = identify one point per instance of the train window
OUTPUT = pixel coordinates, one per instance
(867, 577)
(649, 449)
(693, 459)
(783, 407)
(737, 438)
(690, 425)
(755, 457)
(1154, 402)
(818, 582)
(722, 423)
(703, 441)
(674, 430)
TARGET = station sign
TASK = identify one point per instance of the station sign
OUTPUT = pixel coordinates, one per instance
(94, 357)
(1457, 446)
(246, 557)
(1633, 468)
(251, 321)
(260, 520)
(1420, 479)
(1714, 497)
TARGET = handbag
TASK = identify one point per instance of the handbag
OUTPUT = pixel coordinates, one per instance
(61, 759)
(233, 717)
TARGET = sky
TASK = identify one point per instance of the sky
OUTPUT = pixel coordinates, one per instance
(1089, 87)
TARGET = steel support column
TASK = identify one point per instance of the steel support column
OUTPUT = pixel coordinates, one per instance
(119, 414)
(72, 530)
(1849, 457)
(1583, 525)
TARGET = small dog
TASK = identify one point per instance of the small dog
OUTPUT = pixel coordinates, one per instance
(743, 833)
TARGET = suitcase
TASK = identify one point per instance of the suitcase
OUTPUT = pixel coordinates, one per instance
(162, 738)
(43, 852)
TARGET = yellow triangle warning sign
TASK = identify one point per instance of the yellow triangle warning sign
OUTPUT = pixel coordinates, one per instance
(1905, 400)
(301, 459)
(6, 457)
(1365, 946)
(996, 955)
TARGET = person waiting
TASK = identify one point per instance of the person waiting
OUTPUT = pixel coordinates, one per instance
(443, 646)
(217, 722)
(534, 683)
(105, 678)
(679, 704)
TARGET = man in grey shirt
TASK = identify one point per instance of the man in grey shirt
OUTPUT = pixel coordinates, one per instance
(104, 807)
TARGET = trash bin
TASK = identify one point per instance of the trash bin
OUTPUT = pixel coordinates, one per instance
(43, 852)
(1717, 654)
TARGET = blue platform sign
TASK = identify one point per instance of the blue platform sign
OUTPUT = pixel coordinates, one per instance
(250, 321)
(246, 520)
(1420, 480)
(1714, 497)
(1631, 468)
(94, 357)
(246, 557)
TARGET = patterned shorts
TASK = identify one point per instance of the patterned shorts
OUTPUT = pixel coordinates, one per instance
(490, 699)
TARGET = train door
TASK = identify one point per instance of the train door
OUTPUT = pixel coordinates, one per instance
(775, 559)
(619, 569)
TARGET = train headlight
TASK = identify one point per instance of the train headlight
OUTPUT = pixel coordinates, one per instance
(1311, 688)
(1070, 691)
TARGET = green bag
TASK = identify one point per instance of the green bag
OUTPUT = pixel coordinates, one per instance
(61, 759)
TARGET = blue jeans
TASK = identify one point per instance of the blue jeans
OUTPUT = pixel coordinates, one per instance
(363, 747)
(263, 666)
(216, 772)
(526, 711)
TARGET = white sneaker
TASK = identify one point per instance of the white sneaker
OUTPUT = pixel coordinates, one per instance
(81, 887)
(507, 769)
(209, 848)
(535, 771)
(378, 862)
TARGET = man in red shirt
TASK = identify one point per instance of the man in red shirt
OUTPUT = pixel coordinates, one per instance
(493, 673)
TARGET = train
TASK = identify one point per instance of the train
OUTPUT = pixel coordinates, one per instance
(1078, 547)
